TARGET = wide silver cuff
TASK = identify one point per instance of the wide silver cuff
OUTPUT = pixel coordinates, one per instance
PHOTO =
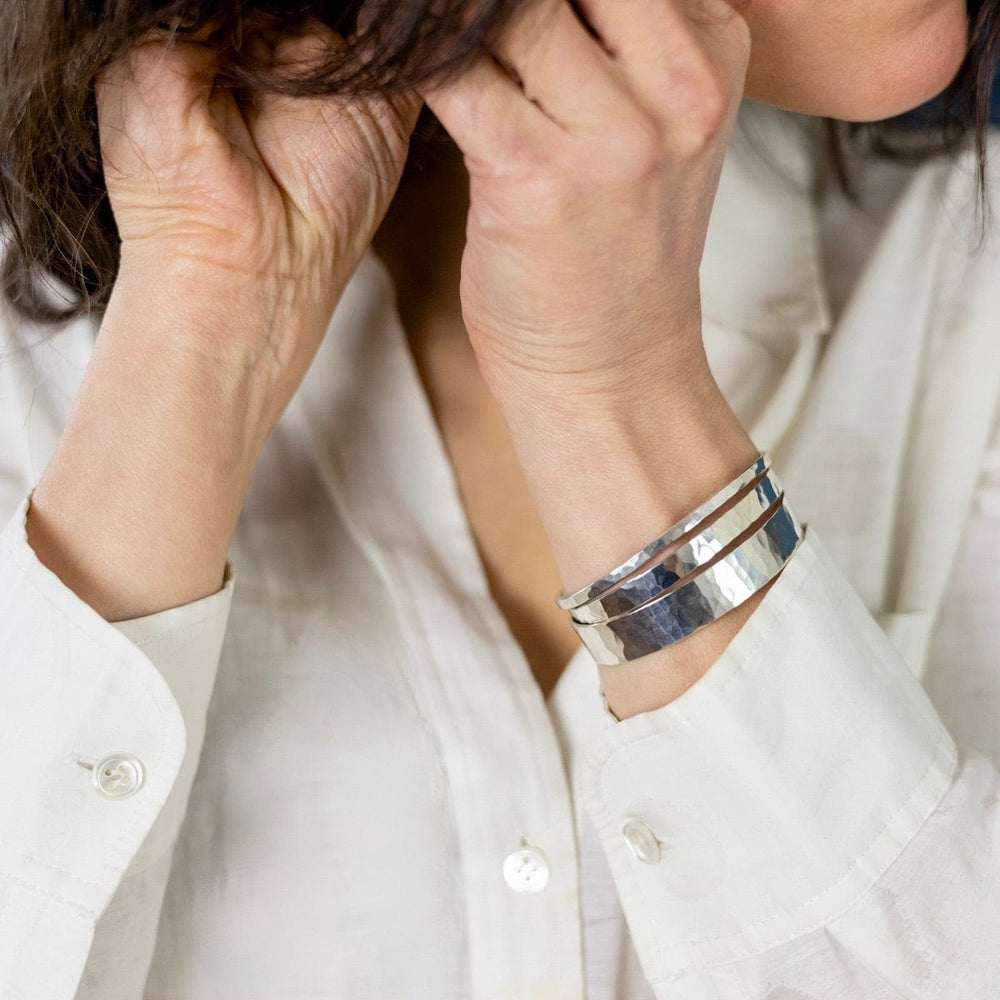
(568, 602)
(698, 550)
(715, 591)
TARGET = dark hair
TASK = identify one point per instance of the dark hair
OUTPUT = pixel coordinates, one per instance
(53, 202)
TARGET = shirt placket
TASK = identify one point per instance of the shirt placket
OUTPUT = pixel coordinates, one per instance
(507, 785)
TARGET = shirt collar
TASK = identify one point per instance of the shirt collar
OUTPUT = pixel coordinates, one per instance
(762, 271)
(762, 277)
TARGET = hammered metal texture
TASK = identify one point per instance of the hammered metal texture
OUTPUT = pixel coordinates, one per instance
(651, 583)
(587, 594)
(707, 597)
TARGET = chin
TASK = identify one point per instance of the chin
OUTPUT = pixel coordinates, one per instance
(870, 83)
(900, 91)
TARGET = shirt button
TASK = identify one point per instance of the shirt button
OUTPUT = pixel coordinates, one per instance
(642, 842)
(526, 870)
(118, 775)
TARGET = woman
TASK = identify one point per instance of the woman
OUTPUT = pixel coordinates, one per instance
(414, 780)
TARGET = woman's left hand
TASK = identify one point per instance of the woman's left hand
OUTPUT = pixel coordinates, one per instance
(594, 157)
(594, 144)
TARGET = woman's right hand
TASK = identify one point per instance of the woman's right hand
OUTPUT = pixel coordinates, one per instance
(267, 207)
(240, 228)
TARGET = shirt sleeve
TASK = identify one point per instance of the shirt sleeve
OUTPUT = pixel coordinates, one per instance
(101, 730)
(800, 823)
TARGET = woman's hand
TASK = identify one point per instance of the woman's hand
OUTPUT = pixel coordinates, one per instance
(271, 203)
(240, 227)
(594, 158)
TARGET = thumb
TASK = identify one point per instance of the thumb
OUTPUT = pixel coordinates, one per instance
(154, 99)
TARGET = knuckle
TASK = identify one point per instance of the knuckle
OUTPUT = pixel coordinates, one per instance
(528, 191)
(644, 146)
(636, 152)
(707, 102)
(522, 161)
(711, 107)
(549, 201)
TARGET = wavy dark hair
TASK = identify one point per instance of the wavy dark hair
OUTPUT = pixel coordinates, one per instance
(53, 203)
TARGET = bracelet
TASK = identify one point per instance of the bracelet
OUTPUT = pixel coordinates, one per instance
(722, 532)
(569, 602)
(721, 587)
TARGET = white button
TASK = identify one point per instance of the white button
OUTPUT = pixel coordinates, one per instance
(526, 870)
(118, 775)
(642, 842)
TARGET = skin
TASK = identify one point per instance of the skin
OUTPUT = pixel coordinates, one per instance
(852, 59)
(588, 165)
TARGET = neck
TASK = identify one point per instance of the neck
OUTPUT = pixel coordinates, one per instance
(421, 243)
(422, 238)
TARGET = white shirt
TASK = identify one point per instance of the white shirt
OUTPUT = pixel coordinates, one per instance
(352, 786)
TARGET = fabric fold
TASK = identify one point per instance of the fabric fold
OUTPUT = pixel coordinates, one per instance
(78, 692)
(780, 787)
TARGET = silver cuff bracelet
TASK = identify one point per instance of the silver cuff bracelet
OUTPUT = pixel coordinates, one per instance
(716, 590)
(702, 548)
(569, 602)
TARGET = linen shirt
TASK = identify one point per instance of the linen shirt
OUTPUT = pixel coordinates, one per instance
(352, 786)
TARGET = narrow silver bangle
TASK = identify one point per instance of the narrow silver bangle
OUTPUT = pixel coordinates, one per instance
(717, 590)
(569, 602)
(702, 548)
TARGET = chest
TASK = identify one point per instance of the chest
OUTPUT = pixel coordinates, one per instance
(376, 750)
(510, 540)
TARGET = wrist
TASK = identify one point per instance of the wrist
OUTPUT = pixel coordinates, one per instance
(239, 340)
(596, 361)
(136, 509)
(175, 367)
(610, 476)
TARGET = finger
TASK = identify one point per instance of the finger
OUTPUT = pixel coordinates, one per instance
(672, 50)
(161, 98)
(487, 114)
(723, 30)
(156, 97)
(289, 124)
(231, 124)
(561, 66)
(305, 54)
(638, 32)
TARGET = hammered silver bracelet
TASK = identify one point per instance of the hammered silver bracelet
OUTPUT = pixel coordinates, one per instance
(717, 589)
(702, 548)
(568, 602)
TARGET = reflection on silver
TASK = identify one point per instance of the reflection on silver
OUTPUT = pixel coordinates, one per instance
(569, 602)
(720, 588)
(651, 583)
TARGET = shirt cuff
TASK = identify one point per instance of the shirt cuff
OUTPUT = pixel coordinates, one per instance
(78, 691)
(768, 797)
(184, 644)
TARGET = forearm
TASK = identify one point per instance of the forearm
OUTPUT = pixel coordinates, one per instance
(136, 509)
(608, 478)
(591, 190)
(238, 234)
